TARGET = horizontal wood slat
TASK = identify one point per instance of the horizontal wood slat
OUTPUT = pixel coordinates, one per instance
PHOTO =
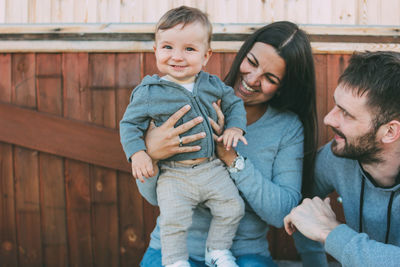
(63, 137)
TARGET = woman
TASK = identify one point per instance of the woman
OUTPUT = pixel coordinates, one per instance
(273, 73)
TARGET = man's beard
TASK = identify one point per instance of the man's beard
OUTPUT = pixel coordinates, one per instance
(365, 148)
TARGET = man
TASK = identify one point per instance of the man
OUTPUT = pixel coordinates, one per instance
(362, 164)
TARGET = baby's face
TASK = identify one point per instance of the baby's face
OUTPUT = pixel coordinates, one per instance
(181, 53)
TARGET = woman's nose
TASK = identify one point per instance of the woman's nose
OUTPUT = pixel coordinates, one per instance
(253, 79)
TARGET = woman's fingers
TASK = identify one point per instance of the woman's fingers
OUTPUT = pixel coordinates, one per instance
(216, 127)
(220, 115)
(187, 125)
(176, 117)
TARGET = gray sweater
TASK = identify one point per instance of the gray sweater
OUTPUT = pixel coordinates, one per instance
(379, 207)
(158, 99)
(269, 184)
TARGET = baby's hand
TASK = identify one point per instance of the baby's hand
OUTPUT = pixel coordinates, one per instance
(231, 136)
(142, 165)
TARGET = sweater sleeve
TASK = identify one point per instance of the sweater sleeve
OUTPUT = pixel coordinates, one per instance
(351, 248)
(148, 189)
(273, 195)
(312, 252)
(134, 122)
(233, 109)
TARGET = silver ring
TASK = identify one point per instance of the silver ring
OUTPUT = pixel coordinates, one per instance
(180, 141)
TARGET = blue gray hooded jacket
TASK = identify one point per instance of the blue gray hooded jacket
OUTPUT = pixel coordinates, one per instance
(158, 99)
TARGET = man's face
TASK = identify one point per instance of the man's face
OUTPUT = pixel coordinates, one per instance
(351, 121)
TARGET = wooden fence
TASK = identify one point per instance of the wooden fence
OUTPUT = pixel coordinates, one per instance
(66, 195)
(344, 12)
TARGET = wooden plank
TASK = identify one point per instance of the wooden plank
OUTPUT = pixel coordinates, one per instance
(103, 181)
(227, 61)
(321, 98)
(49, 83)
(133, 240)
(5, 81)
(77, 176)
(77, 105)
(63, 137)
(8, 241)
(40, 12)
(52, 193)
(336, 65)
(23, 80)
(104, 217)
(127, 77)
(27, 207)
(53, 210)
(149, 64)
(344, 12)
(214, 65)
(77, 96)
(101, 83)
(3, 11)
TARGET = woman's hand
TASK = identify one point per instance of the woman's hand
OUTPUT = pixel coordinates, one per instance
(164, 141)
(227, 156)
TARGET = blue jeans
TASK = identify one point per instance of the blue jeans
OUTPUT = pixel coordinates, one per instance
(152, 258)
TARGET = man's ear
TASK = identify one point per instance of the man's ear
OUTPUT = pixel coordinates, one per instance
(392, 132)
(207, 56)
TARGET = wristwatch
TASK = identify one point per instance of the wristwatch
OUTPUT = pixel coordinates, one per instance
(237, 164)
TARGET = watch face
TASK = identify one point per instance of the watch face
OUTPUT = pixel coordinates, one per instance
(240, 164)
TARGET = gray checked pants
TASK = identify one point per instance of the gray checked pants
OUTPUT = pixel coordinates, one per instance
(180, 188)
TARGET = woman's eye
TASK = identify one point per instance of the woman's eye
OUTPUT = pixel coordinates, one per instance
(271, 80)
(251, 62)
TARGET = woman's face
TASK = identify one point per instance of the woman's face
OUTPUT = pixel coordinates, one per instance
(260, 75)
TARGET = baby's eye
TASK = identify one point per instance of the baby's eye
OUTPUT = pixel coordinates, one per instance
(167, 47)
(190, 49)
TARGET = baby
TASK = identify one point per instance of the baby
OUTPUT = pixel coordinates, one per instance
(182, 49)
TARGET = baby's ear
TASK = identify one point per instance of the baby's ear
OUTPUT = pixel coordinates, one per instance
(207, 56)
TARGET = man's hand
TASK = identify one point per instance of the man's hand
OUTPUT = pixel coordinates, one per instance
(314, 218)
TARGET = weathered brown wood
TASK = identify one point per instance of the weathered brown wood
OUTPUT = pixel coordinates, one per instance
(227, 63)
(133, 238)
(52, 185)
(149, 64)
(5, 74)
(214, 65)
(77, 179)
(67, 138)
(128, 73)
(103, 181)
(77, 105)
(8, 242)
(77, 97)
(28, 207)
(53, 210)
(104, 217)
(23, 80)
(321, 84)
(335, 67)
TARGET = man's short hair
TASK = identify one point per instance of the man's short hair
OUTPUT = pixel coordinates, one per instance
(377, 75)
(184, 15)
